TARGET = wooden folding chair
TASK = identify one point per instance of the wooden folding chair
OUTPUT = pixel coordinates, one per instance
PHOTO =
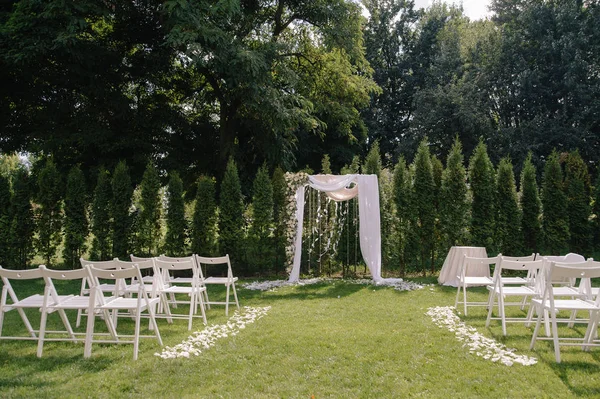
(228, 280)
(99, 304)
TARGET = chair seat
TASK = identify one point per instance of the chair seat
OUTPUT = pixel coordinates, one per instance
(219, 280)
(126, 303)
(513, 280)
(182, 280)
(566, 291)
(176, 289)
(567, 304)
(516, 290)
(32, 301)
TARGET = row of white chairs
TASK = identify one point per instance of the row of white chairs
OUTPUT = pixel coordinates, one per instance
(146, 287)
(95, 303)
(546, 285)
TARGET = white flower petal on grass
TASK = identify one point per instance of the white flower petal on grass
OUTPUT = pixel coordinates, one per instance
(201, 340)
(487, 348)
(398, 283)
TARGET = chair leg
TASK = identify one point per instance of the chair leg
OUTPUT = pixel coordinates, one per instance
(235, 296)
(457, 296)
(465, 298)
(490, 308)
(536, 330)
(201, 300)
(555, 338)
(227, 301)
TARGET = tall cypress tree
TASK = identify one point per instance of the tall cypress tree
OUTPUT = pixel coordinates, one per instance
(372, 164)
(101, 248)
(22, 225)
(262, 222)
(577, 184)
(508, 219)
(483, 188)
(149, 225)
(49, 214)
(454, 213)
(424, 190)
(76, 223)
(531, 208)
(279, 204)
(122, 192)
(555, 219)
(231, 218)
(596, 220)
(402, 196)
(204, 223)
(176, 224)
(5, 221)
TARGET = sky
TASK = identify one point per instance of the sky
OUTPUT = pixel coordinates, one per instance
(474, 9)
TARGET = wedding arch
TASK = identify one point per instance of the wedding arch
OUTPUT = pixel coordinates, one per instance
(344, 188)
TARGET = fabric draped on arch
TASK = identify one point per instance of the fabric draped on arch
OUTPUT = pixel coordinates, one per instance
(344, 188)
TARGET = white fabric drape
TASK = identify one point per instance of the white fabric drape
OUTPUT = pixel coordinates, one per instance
(339, 188)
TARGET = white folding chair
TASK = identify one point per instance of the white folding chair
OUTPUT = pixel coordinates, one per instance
(517, 280)
(148, 279)
(549, 306)
(228, 280)
(193, 289)
(99, 303)
(35, 301)
(168, 279)
(149, 276)
(53, 301)
(465, 280)
(104, 287)
(500, 290)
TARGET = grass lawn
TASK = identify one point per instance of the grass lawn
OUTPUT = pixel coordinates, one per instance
(335, 340)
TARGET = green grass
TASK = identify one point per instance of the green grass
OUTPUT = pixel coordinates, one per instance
(328, 340)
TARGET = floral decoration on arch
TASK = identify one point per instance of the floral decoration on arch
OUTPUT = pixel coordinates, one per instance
(293, 181)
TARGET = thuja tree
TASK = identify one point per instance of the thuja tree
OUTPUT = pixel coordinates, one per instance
(22, 224)
(577, 185)
(101, 248)
(176, 224)
(5, 218)
(555, 220)
(76, 223)
(150, 210)
(596, 220)
(279, 204)
(454, 207)
(204, 222)
(261, 248)
(231, 210)
(483, 188)
(122, 192)
(437, 168)
(530, 207)
(403, 233)
(49, 212)
(424, 189)
(508, 220)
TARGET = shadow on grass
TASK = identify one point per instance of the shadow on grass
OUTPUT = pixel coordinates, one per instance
(564, 371)
(24, 370)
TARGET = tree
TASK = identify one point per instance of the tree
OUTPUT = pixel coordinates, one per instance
(279, 217)
(150, 211)
(122, 192)
(555, 219)
(231, 220)
(454, 207)
(261, 251)
(176, 224)
(508, 218)
(403, 200)
(101, 217)
(22, 225)
(204, 223)
(76, 222)
(5, 220)
(577, 185)
(531, 208)
(424, 188)
(372, 164)
(483, 188)
(49, 214)
(596, 220)
(282, 82)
